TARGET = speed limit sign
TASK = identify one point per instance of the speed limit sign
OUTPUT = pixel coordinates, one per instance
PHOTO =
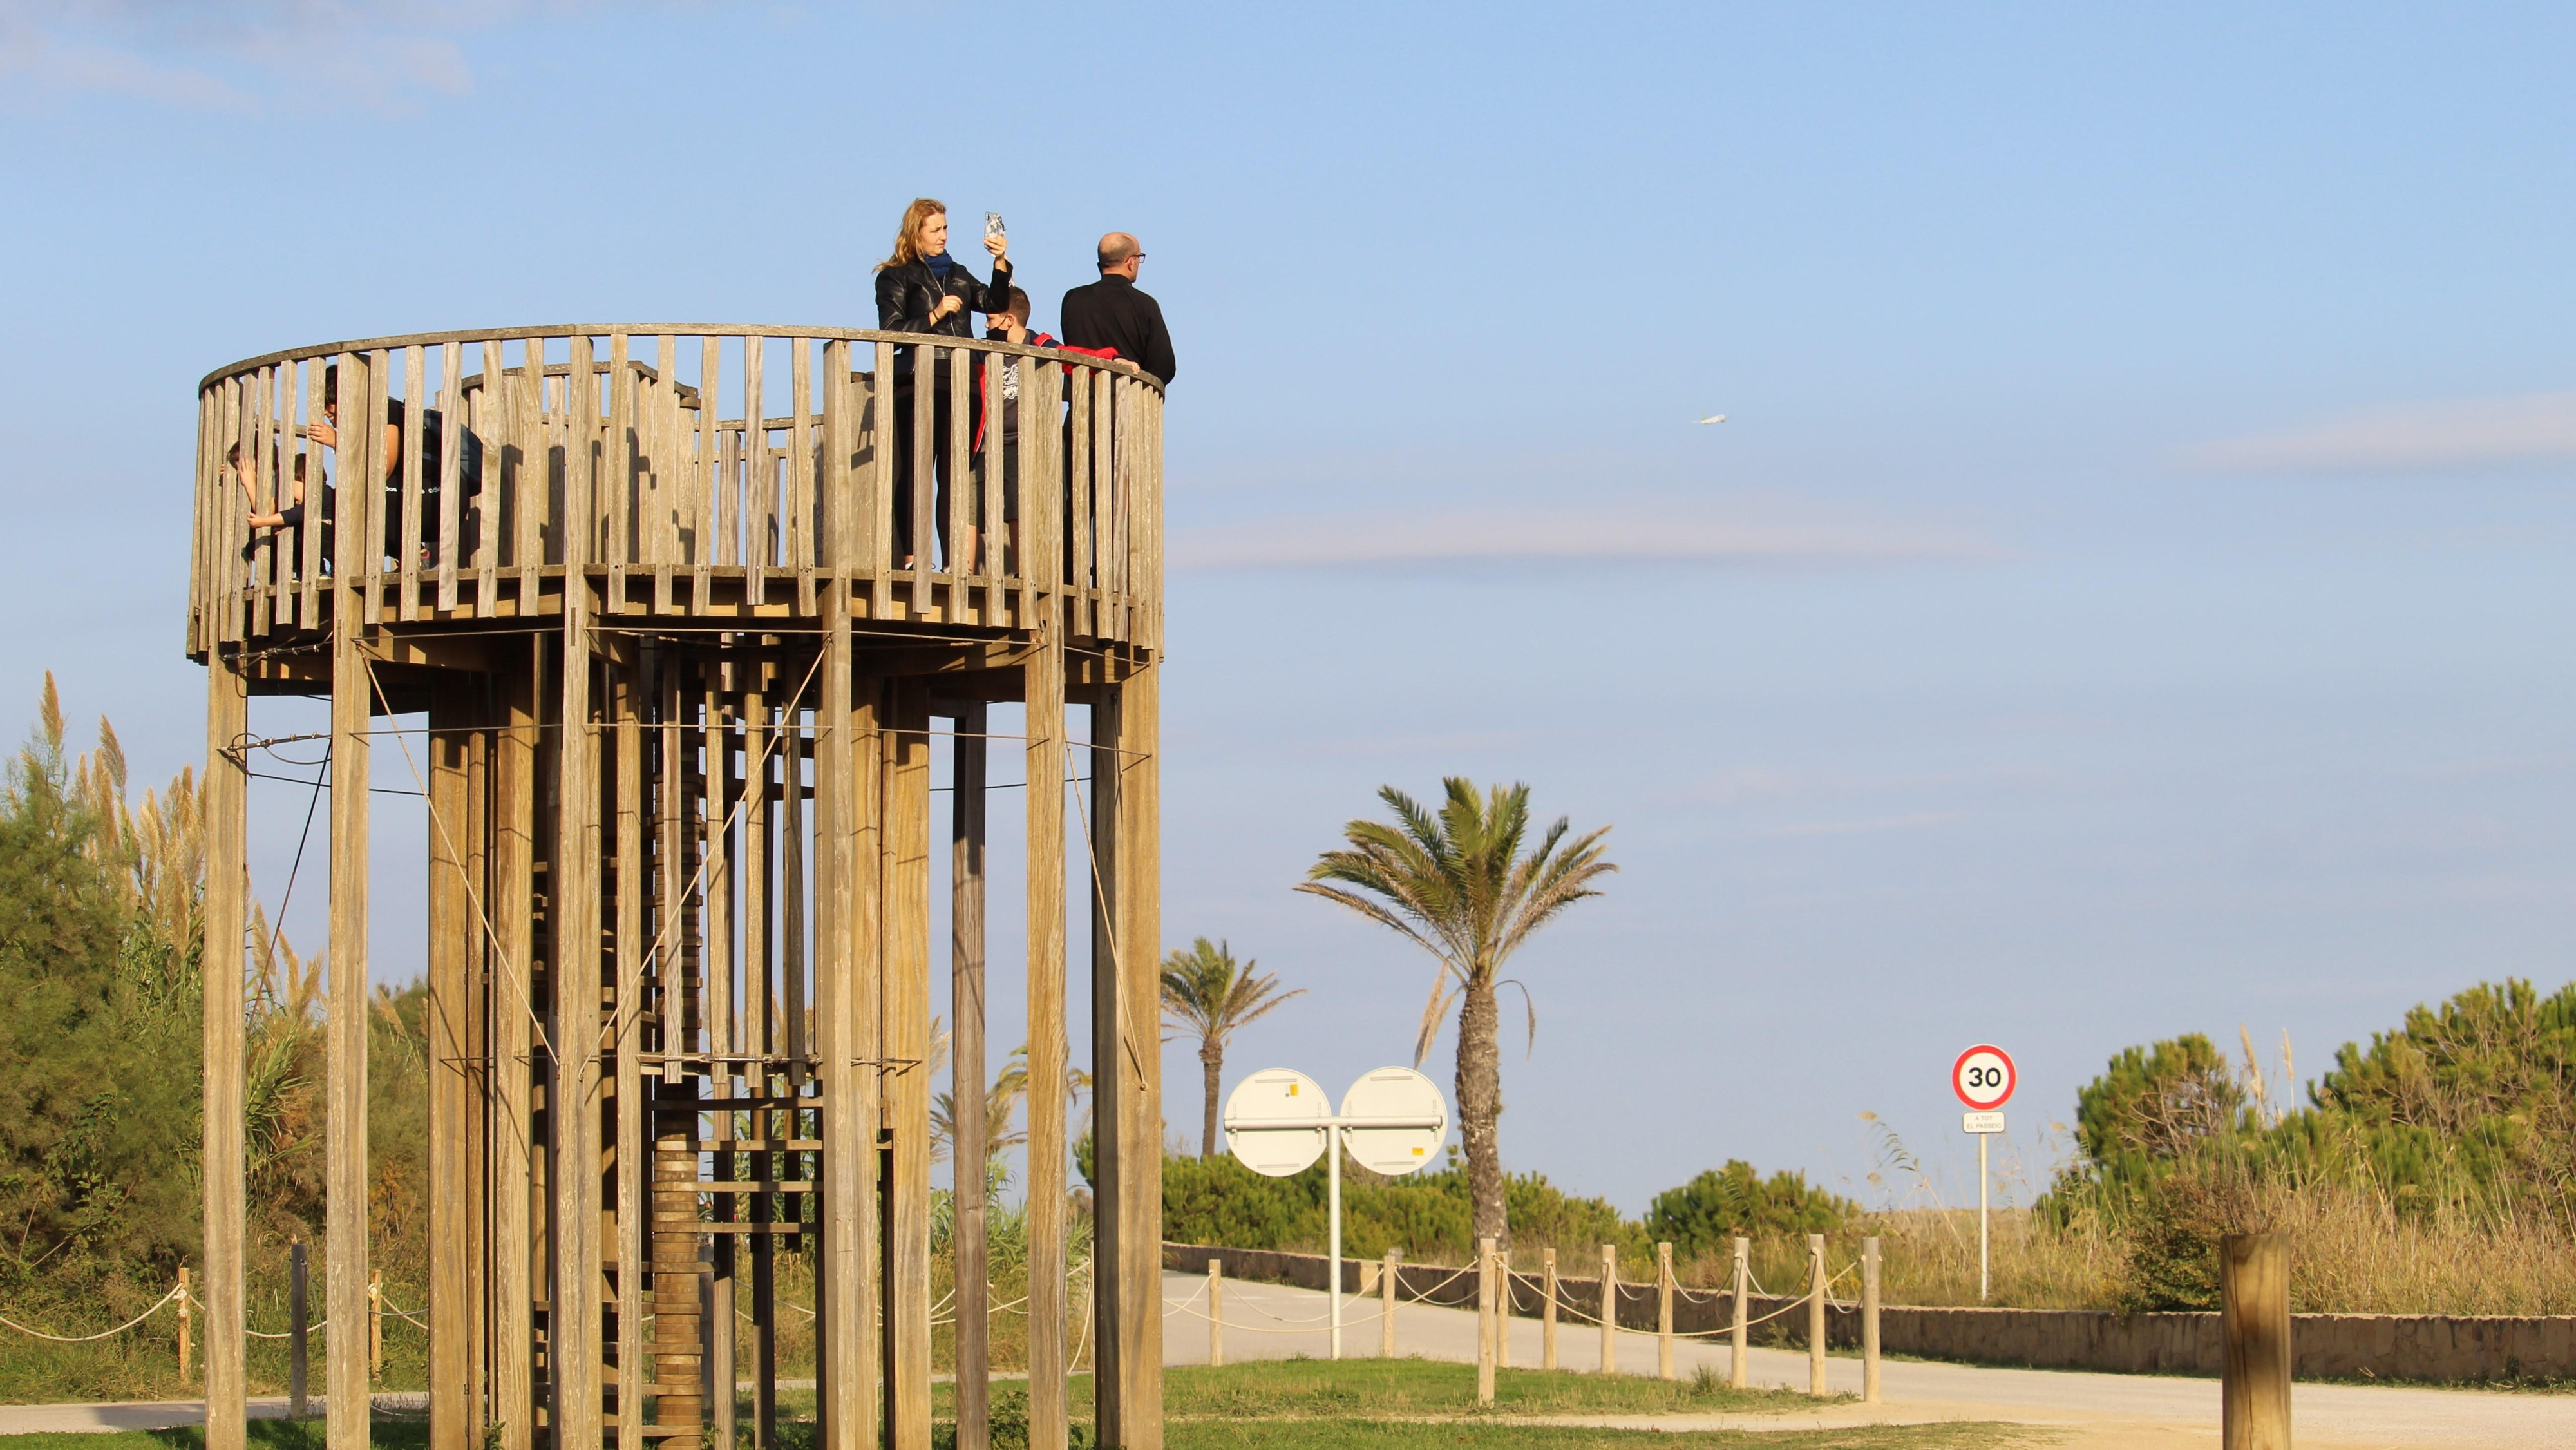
(1984, 1077)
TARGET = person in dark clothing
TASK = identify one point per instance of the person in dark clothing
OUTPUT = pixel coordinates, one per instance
(288, 521)
(1011, 326)
(1112, 313)
(433, 443)
(922, 289)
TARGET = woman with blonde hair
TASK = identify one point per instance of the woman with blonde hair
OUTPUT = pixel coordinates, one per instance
(922, 289)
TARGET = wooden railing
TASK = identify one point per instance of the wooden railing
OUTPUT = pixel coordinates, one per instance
(683, 470)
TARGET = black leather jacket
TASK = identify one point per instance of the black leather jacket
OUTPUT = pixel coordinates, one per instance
(906, 292)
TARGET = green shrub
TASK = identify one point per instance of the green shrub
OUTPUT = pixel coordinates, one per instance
(1724, 1203)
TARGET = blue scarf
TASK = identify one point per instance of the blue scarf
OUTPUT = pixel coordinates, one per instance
(939, 266)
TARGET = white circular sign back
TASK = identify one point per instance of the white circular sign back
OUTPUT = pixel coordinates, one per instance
(1274, 1122)
(1984, 1077)
(1396, 1120)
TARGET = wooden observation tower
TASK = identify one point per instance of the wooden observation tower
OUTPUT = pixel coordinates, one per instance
(684, 610)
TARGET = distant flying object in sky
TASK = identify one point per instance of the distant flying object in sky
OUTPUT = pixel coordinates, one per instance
(1714, 418)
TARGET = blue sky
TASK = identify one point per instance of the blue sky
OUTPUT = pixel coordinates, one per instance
(2126, 597)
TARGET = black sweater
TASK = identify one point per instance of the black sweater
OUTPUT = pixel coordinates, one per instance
(1113, 313)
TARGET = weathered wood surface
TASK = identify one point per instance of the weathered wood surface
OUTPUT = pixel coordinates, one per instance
(677, 1016)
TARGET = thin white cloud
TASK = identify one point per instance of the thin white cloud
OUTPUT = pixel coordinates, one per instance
(2465, 431)
(1626, 532)
(1869, 827)
(230, 55)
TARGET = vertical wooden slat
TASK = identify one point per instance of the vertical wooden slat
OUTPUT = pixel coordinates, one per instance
(907, 1050)
(925, 449)
(346, 1134)
(453, 1120)
(202, 527)
(707, 512)
(634, 1215)
(618, 457)
(991, 537)
(837, 432)
(800, 472)
(527, 471)
(257, 430)
(491, 419)
(877, 541)
(671, 472)
(581, 452)
(759, 769)
(573, 1333)
(967, 1071)
(759, 480)
(1077, 482)
(514, 796)
(365, 471)
(480, 970)
(451, 468)
(225, 1162)
(223, 570)
(415, 402)
(957, 364)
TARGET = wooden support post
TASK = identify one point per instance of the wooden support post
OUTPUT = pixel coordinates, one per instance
(1048, 1426)
(1387, 1279)
(2254, 1319)
(848, 977)
(967, 1078)
(1869, 1321)
(345, 1155)
(907, 1054)
(1127, 1063)
(1609, 1309)
(634, 1206)
(1664, 1312)
(573, 1371)
(1739, 1357)
(225, 1163)
(183, 1324)
(1816, 1314)
(1485, 1320)
(375, 1325)
(299, 1315)
(1547, 1310)
(1216, 1311)
(455, 1119)
(512, 1408)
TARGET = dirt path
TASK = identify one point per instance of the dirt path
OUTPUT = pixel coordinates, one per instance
(2094, 1411)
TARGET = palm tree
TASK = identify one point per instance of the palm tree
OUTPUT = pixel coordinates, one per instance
(1459, 886)
(1208, 995)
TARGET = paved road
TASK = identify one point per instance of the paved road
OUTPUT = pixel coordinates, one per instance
(2111, 1411)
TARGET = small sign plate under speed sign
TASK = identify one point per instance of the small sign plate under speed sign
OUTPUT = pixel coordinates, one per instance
(1984, 1077)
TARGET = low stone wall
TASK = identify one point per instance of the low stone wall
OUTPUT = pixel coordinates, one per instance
(2327, 1346)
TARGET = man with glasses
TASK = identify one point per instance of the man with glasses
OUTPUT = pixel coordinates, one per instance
(1112, 313)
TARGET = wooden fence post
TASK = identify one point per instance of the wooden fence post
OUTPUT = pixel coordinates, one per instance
(1869, 1321)
(183, 1324)
(1743, 1273)
(296, 1355)
(1386, 1278)
(1609, 1309)
(1547, 1311)
(1816, 1315)
(1502, 1307)
(1484, 1321)
(2254, 1319)
(375, 1324)
(1664, 1311)
(1216, 1311)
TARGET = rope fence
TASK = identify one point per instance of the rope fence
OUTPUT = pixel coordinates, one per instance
(1503, 1293)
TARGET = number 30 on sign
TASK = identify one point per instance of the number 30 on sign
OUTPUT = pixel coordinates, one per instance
(1984, 1077)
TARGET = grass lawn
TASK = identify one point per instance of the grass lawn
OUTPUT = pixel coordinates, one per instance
(1298, 1404)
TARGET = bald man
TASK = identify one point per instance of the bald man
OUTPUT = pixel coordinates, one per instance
(1113, 313)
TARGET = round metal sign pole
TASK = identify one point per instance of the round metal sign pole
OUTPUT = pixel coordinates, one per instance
(1333, 1216)
(1984, 1078)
